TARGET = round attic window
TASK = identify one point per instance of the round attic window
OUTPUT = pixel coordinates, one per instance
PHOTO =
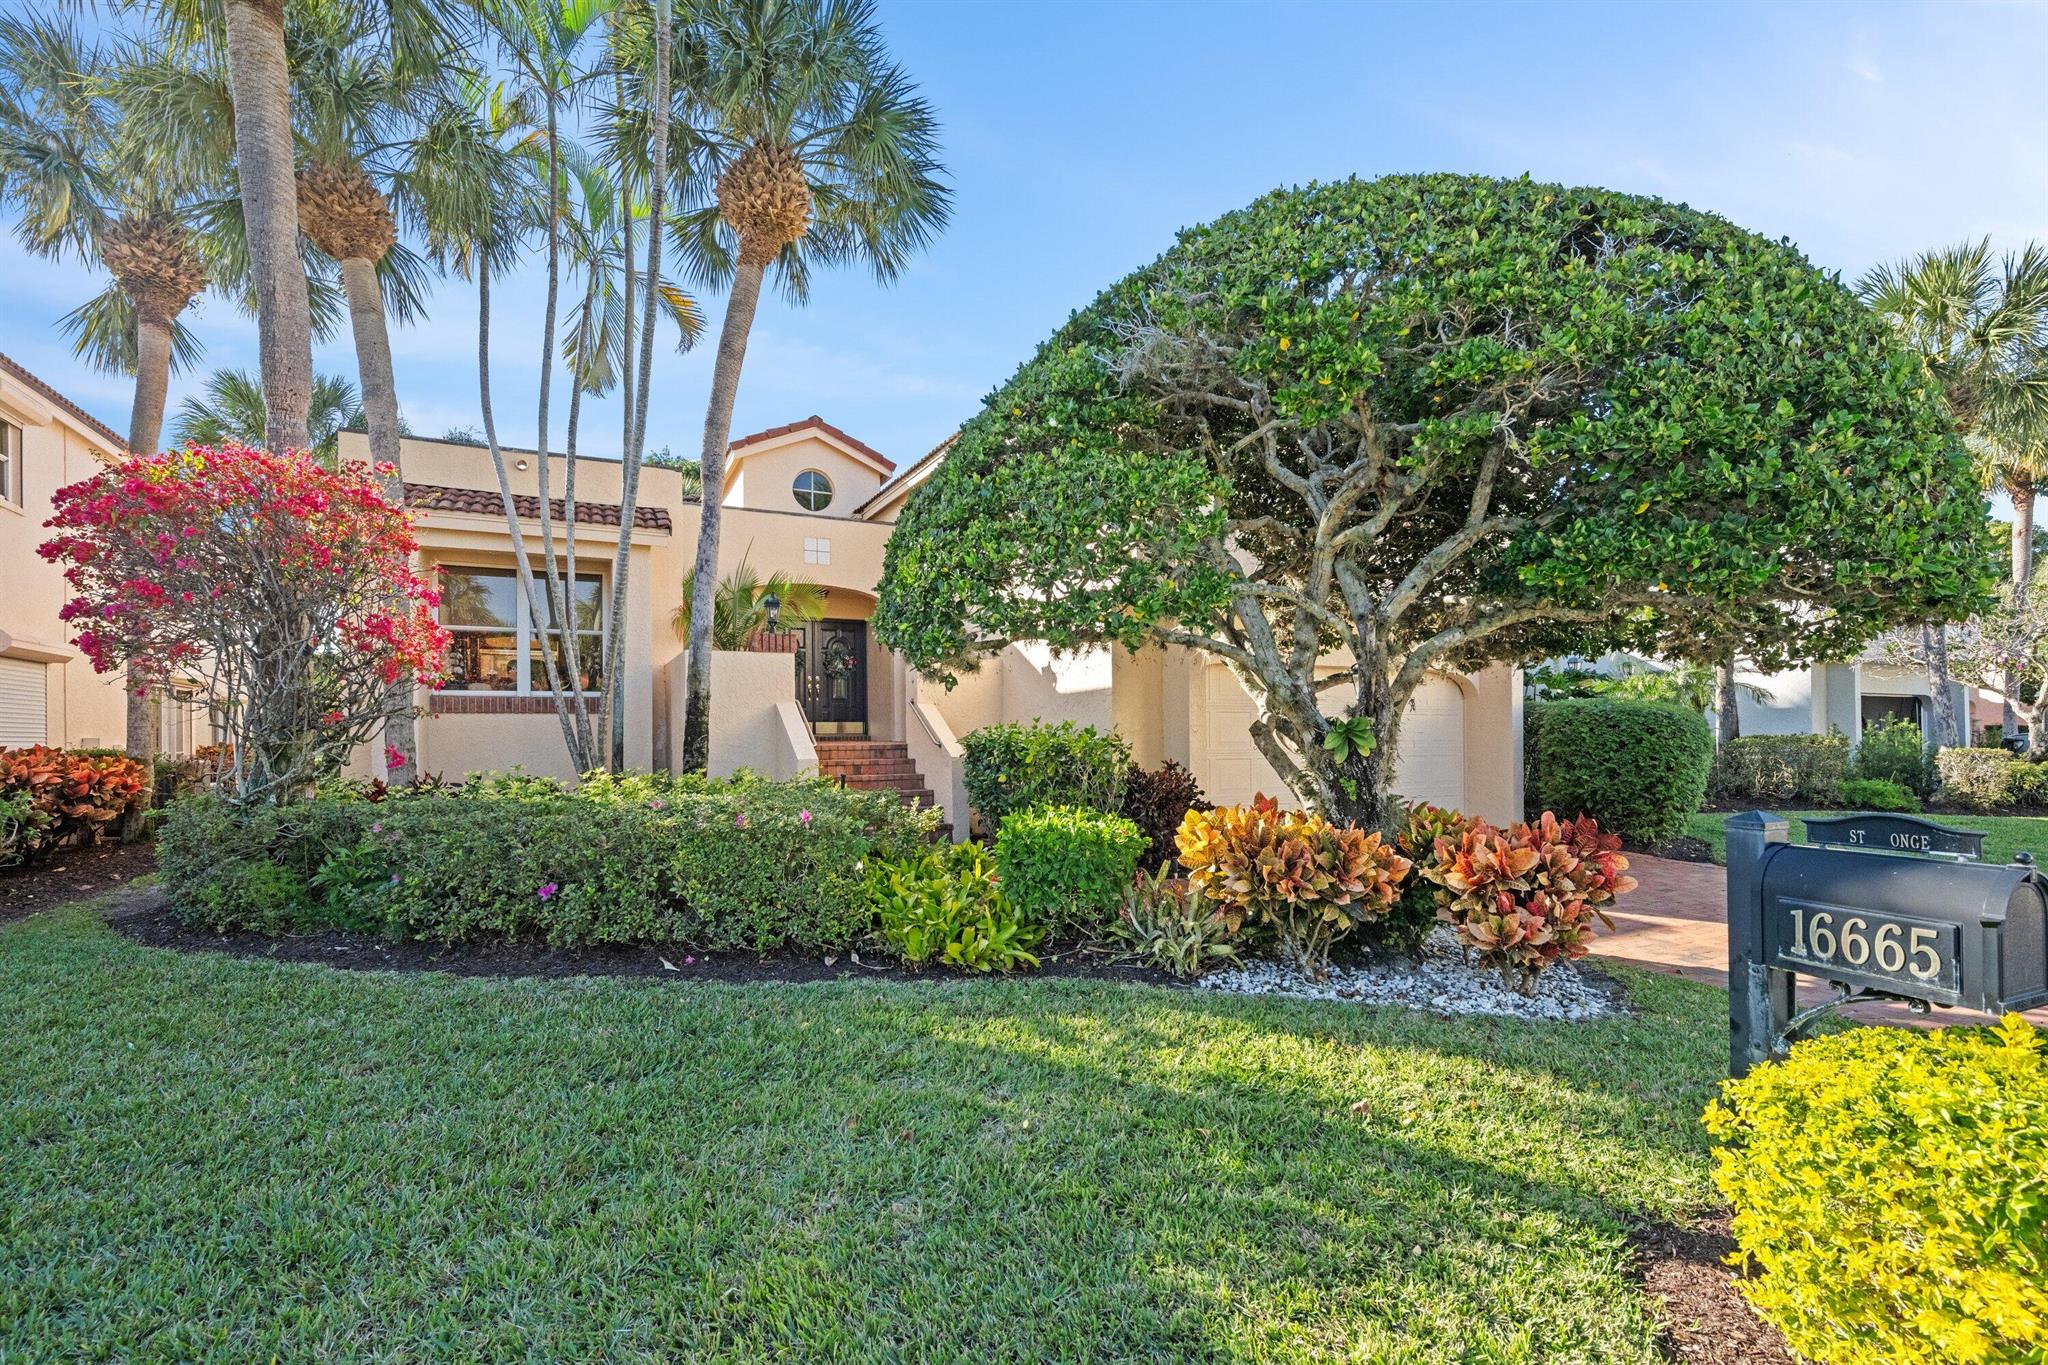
(813, 491)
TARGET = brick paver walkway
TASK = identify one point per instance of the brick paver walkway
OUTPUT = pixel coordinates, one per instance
(1676, 921)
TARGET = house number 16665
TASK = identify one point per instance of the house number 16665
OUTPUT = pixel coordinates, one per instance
(1890, 949)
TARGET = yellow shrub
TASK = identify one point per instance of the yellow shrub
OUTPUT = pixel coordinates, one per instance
(1892, 1185)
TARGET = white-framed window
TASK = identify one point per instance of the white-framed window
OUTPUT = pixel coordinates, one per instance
(817, 550)
(813, 490)
(10, 463)
(495, 647)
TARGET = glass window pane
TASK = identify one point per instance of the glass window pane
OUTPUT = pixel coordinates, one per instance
(590, 660)
(480, 597)
(813, 491)
(589, 603)
(480, 661)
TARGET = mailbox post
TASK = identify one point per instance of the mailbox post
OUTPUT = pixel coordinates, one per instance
(1759, 999)
(1881, 907)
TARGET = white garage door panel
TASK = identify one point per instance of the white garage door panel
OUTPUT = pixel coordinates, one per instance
(1431, 764)
(22, 718)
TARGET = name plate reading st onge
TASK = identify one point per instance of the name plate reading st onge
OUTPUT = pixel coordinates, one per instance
(1895, 834)
(1914, 956)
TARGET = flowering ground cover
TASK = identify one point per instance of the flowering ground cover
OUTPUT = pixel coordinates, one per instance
(212, 1158)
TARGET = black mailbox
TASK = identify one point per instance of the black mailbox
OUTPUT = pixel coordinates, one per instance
(1930, 930)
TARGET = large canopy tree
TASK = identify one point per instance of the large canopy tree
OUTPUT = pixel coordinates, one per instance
(1360, 431)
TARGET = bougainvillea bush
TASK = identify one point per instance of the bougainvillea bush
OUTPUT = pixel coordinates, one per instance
(1311, 881)
(51, 795)
(1526, 896)
(287, 586)
(1889, 1185)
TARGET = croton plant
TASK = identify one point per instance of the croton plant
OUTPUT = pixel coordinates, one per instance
(1311, 880)
(1526, 896)
(67, 794)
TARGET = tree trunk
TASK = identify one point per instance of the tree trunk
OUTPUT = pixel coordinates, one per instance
(2022, 492)
(145, 429)
(259, 82)
(725, 386)
(380, 416)
(1947, 735)
(570, 740)
(630, 459)
(1727, 710)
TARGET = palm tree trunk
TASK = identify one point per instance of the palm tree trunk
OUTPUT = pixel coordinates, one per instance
(145, 429)
(1727, 711)
(630, 458)
(380, 415)
(259, 82)
(2022, 492)
(577, 757)
(725, 387)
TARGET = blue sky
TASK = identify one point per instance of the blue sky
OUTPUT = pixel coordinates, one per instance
(1080, 137)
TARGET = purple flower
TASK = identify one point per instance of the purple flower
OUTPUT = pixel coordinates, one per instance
(803, 817)
(548, 892)
(377, 828)
(657, 804)
(394, 879)
(740, 821)
(689, 962)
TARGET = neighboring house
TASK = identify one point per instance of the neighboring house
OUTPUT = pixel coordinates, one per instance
(1824, 698)
(812, 501)
(1847, 697)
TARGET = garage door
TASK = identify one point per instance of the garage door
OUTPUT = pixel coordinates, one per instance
(22, 720)
(1430, 766)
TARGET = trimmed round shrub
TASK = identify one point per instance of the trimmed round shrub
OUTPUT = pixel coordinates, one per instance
(1159, 799)
(1010, 767)
(1896, 751)
(1807, 769)
(1889, 1184)
(1638, 768)
(1067, 867)
(2028, 783)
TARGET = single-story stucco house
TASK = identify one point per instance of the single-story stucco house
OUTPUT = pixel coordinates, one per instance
(815, 502)
(806, 499)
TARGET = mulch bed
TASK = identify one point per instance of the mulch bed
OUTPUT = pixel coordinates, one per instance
(1681, 847)
(1692, 1289)
(148, 920)
(72, 874)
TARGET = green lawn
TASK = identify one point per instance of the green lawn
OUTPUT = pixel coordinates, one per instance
(2004, 835)
(207, 1158)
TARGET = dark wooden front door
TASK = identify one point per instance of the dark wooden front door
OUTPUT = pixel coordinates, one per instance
(832, 677)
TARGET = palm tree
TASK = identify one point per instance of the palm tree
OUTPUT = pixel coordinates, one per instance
(1982, 328)
(820, 152)
(232, 411)
(71, 164)
(739, 605)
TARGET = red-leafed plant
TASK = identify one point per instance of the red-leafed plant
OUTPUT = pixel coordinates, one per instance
(1312, 881)
(287, 585)
(1525, 896)
(66, 794)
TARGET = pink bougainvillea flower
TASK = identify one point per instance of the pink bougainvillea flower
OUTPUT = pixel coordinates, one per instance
(803, 817)
(740, 821)
(547, 893)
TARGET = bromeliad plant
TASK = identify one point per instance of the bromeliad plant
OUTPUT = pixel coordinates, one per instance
(286, 586)
(1524, 897)
(1312, 881)
(1166, 923)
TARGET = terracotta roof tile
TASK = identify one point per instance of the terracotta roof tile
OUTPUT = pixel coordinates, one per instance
(917, 470)
(816, 423)
(479, 502)
(120, 442)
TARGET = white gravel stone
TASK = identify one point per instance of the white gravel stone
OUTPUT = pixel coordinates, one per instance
(1440, 981)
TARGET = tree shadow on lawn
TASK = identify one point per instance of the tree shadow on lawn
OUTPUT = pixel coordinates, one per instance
(285, 1158)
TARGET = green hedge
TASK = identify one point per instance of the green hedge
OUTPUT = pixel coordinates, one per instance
(1068, 867)
(1803, 769)
(1010, 767)
(746, 864)
(1896, 751)
(1639, 768)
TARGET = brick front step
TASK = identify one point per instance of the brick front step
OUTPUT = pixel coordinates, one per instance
(873, 765)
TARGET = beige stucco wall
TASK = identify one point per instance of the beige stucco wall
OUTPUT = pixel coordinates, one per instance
(81, 707)
(755, 723)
